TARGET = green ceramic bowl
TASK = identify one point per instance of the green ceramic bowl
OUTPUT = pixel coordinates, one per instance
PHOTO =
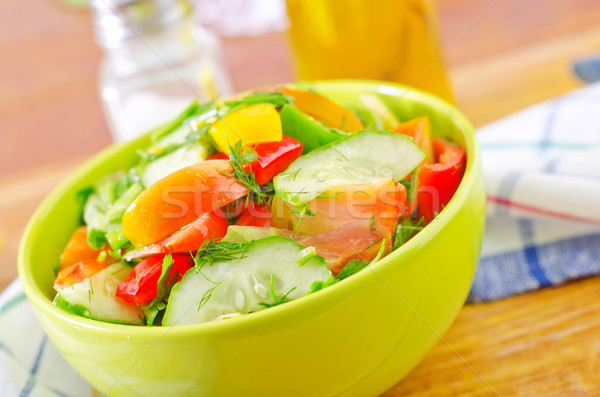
(358, 337)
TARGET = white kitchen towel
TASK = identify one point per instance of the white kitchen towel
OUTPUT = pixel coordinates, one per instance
(541, 170)
(30, 365)
(542, 174)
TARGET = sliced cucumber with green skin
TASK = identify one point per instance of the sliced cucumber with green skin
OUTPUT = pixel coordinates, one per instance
(95, 297)
(224, 289)
(104, 218)
(104, 208)
(359, 158)
(239, 234)
(180, 158)
(94, 213)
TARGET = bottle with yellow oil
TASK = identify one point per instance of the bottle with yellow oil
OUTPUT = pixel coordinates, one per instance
(392, 40)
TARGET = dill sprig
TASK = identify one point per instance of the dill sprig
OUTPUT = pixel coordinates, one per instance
(380, 253)
(373, 244)
(410, 185)
(239, 157)
(220, 251)
(156, 152)
(291, 176)
(208, 294)
(217, 251)
(276, 300)
(303, 210)
(405, 230)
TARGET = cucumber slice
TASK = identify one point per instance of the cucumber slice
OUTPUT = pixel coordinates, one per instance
(381, 113)
(95, 297)
(240, 234)
(104, 218)
(180, 158)
(94, 213)
(104, 208)
(359, 158)
(224, 289)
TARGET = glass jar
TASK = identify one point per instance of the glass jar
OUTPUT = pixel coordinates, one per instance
(157, 61)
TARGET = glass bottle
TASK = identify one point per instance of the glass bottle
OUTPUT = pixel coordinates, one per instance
(157, 61)
(392, 40)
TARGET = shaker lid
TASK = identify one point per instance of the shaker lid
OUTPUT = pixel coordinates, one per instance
(118, 20)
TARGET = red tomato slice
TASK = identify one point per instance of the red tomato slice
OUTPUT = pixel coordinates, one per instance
(255, 215)
(78, 249)
(212, 225)
(140, 286)
(78, 272)
(438, 182)
(178, 200)
(274, 157)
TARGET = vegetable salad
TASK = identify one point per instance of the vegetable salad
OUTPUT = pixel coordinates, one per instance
(242, 205)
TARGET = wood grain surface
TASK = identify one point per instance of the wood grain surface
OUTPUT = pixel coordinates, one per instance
(545, 343)
(503, 55)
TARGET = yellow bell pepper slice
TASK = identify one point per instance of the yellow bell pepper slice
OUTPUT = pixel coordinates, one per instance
(251, 124)
(324, 109)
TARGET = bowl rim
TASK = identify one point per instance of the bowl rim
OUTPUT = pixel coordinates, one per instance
(119, 331)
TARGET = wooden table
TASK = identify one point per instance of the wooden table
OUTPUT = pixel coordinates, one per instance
(542, 343)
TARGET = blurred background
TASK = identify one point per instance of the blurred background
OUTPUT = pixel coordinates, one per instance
(496, 57)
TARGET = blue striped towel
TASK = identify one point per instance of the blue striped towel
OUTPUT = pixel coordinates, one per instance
(30, 365)
(542, 175)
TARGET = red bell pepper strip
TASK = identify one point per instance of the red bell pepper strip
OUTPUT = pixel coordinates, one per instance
(419, 130)
(218, 156)
(140, 286)
(438, 182)
(273, 158)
